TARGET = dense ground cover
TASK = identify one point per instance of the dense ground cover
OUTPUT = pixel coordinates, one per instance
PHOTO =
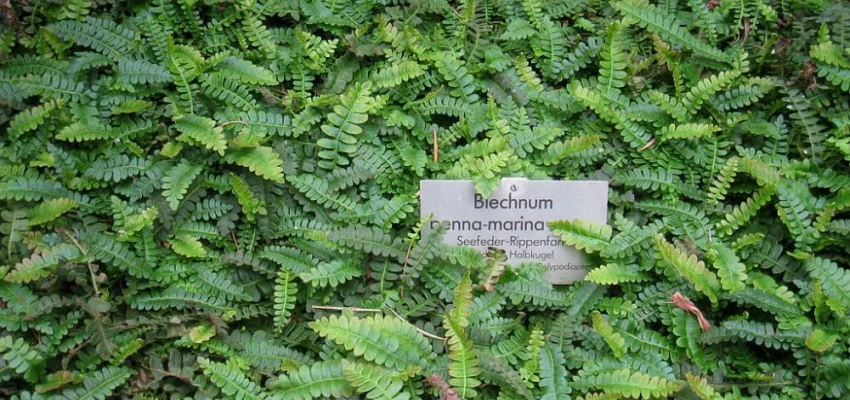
(182, 182)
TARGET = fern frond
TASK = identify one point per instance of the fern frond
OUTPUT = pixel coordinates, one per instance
(396, 73)
(834, 280)
(188, 246)
(31, 118)
(658, 21)
(384, 340)
(49, 210)
(343, 126)
(686, 131)
(631, 241)
(458, 78)
(99, 385)
(117, 168)
(629, 384)
(706, 88)
(245, 71)
(744, 212)
(584, 235)
(231, 381)
(612, 67)
(463, 365)
(604, 329)
(41, 265)
(615, 274)
(319, 379)
(201, 130)
(180, 299)
(730, 269)
(19, 357)
(553, 374)
(374, 382)
(368, 240)
(285, 290)
(140, 72)
(110, 39)
(318, 190)
(177, 180)
(230, 92)
(332, 273)
(261, 160)
(532, 294)
(690, 268)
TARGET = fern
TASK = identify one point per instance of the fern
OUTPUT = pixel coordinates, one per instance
(604, 329)
(99, 385)
(260, 160)
(197, 129)
(658, 21)
(612, 68)
(107, 37)
(39, 266)
(50, 210)
(245, 71)
(833, 279)
(615, 274)
(373, 382)
(730, 270)
(343, 126)
(284, 297)
(309, 381)
(384, 340)
(176, 182)
(463, 365)
(30, 119)
(116, 168)
(135, 72)
(628, 384)
(232, 382)
(331, 274)
(584, 235)
(690, 268)
(21, 359)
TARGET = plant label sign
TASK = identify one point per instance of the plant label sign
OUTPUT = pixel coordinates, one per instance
(515, 218)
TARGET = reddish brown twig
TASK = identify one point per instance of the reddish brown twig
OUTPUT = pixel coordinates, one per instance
(679, 300)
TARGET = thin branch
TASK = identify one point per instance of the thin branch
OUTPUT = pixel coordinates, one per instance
(436, 152)
(354, 309)
(423, 332)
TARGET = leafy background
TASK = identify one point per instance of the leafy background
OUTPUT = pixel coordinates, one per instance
(182, 182)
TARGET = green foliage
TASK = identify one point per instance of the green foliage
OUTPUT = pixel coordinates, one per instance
(218, 200)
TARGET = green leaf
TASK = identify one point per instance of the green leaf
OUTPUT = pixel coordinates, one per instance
(260, 160)
(615, 274)
(98, 386)
(689, 268)
(201, 130)
(629, 384)
(374, 382)
(384, 340)
(232, 382)
(49, 210)
(732, 272)
(820, 341)
(584, 235)
(177, 180)
(343, 126)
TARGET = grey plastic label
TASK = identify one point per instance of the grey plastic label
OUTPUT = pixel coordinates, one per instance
(514, 218)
